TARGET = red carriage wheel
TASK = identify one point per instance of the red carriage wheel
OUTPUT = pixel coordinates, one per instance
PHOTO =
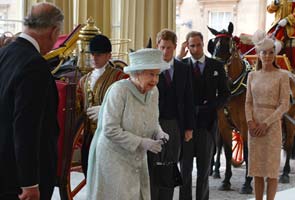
(68, 189)
(76, 166)
(237, 149)
(69, 142)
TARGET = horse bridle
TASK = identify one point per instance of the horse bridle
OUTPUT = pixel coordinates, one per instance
(231, 43)
(238, 86)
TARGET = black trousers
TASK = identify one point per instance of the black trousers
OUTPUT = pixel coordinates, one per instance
(173, 145)
(12, 194)
(201, 146)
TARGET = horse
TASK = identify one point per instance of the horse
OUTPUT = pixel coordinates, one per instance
(232, 115)
(288, 132)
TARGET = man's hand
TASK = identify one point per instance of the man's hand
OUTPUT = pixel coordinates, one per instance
(183, 51)
(92, 112)
(188, 135)
(30, 194)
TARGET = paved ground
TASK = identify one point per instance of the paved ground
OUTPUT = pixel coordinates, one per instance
(236, 181)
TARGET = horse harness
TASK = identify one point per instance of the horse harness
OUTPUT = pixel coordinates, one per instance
(237, 86)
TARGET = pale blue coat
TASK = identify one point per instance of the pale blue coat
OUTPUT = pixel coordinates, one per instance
(117, 167)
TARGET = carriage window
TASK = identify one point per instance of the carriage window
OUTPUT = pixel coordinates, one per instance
(219, 20)
(11, 14)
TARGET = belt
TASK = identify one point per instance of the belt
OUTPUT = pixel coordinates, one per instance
(262, 105)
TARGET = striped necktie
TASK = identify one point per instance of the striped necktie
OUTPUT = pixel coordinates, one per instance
(168, 77)
(196, 69)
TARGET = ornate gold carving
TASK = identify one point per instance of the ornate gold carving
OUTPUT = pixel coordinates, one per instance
(86, 34)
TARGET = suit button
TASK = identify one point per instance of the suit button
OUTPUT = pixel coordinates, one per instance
(137, 158)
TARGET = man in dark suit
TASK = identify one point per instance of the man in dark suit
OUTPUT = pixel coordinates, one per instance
(175, 106)
(28, 107)
(210, 93)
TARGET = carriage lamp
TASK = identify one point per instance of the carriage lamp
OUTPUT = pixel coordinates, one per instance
(86, 34)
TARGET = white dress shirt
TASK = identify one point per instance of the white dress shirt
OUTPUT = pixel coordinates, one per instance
(31, 40)
(201, 62)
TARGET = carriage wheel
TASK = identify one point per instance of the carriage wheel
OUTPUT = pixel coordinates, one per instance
(237, 149)
(69, 191)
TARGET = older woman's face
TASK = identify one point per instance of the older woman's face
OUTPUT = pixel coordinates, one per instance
(267, 56)
(148, 79)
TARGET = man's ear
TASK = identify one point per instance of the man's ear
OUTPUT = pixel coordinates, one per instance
(54, 33)
(110, 55)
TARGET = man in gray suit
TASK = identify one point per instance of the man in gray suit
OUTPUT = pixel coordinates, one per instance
(28, 107)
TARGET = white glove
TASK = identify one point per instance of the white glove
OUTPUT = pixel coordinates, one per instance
(151, 145)
(279, 46)
(92, 112)
(162, 134)
(283, 22)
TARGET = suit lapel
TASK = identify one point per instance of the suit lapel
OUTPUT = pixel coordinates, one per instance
(174, 78)
(190, 62)
(206, 71)
(177, 73)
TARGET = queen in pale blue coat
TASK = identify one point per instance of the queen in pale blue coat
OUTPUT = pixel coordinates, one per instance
(128, 120)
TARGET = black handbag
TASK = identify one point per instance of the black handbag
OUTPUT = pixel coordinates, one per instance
(166, 174)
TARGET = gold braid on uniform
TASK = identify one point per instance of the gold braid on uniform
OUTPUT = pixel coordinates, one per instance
(95, 97)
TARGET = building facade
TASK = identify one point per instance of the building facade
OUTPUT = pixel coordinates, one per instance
(246, 15)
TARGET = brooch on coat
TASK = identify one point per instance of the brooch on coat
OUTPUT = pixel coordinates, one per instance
(215, 73)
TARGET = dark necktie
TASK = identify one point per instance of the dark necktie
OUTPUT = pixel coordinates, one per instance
(168, 77)
(197, 71)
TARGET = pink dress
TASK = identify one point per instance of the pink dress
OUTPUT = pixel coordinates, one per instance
(267, 99)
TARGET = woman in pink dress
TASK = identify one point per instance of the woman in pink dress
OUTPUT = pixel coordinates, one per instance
(267, 100)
